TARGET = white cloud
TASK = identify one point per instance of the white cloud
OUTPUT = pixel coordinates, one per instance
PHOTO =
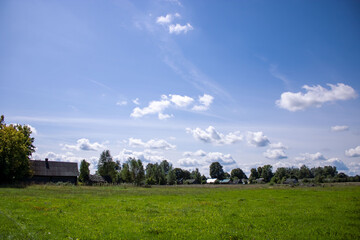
(340, 165)
(155, 107)
(257, 139)
(315, 96)
(165, 20)
(181, 101)
(339, 128)
(136, 101)
(178, 28)
(171, 101)
(275, 154)
(146, 156)
(311, 157)
(121, 103)
(278, 145)
(201, 159)
(205, 102)
(85, 145)
(151, 144)
(210, 135)
(33, 129)
(353, 152)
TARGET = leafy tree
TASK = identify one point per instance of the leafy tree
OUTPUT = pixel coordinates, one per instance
(179, 173)
(16, 147)
(125, 173)
(165, 166)
(216, 170)
(187, 174)
(305, 172)
(137, 171)
(253, 175)
(195, 174)
(171, 177)
(107, 167)
(237, 172)
(267, 173)
(84, 171)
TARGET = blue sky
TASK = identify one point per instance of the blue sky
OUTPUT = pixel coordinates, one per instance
(245, 83)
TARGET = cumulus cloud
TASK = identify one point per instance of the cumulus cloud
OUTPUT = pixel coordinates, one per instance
(210, 135)
(257, 139)
(151, 144)
(146, 156)
(136, 101)
(311, 157)
(33, 129)
(339, 128)
(164, 20)
(170, 101)
(178, 28)
(173, 28)
(340, 165)
(278, 145)
(315, 96)
(85, 145)
(201, 158)
(155, 107)
(275, 154)
(181, 101)
(205, 102)
(353, 152)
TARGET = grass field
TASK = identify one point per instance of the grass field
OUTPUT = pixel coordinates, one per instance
(226, 212)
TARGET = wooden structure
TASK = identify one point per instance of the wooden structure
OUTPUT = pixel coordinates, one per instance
(54, 171)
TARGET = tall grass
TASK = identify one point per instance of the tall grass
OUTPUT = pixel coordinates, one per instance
(125, 212)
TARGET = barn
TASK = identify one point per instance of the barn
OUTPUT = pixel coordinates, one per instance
(54, 171)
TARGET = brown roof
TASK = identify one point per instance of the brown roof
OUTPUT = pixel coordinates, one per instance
(96, 179)
(54, 168)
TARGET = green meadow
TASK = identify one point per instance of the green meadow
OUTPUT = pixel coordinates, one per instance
(180, 212)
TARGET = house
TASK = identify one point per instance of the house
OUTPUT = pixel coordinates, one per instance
(260, 180)
(190, 181)
(211, 180)
(290, 181)
(54, 171)
(245, 181)
(96, 179)
(225, 181)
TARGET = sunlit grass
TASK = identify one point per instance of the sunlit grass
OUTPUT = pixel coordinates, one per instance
(69, 212)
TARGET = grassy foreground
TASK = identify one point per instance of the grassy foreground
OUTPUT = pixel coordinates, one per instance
(226, 212)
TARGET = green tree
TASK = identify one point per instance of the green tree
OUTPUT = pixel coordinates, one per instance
(171, 177)
(267, 173)
(137, 171)
(16, 147)
(84, 171)
(216, 170)
(253, 175)
(107, 167)
(195, 174)
(305, 172)
(125, 173)
(237, 172)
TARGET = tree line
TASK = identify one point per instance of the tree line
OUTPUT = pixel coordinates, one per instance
(16, 148)
(163, 173)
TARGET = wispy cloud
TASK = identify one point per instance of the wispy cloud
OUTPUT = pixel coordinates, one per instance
(339, 128)
(178, 28)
